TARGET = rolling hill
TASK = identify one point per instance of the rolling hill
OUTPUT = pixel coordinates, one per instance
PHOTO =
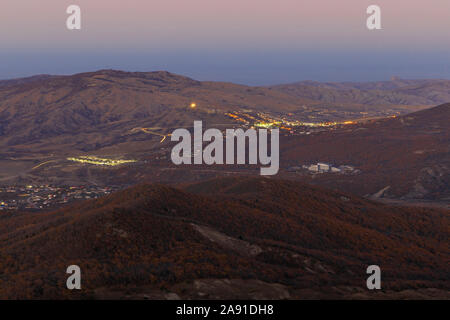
(394, 92)
(124, 115)
(96, 110)
(409, 154)
(230, 237)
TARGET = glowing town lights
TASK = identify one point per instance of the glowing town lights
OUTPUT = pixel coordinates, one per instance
(100, 161)
(193, 105)
(263, 124)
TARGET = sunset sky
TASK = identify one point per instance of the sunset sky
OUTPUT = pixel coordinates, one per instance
(244, 41)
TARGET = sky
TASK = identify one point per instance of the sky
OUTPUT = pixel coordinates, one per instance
(256, 42)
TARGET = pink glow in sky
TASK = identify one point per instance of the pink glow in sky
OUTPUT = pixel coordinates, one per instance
(225, 24)
(244, 41)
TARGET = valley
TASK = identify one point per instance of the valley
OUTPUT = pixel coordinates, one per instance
(86, 175)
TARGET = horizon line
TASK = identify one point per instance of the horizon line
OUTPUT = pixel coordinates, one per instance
(392, 78)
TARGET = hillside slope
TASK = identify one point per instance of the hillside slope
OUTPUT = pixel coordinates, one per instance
(395, 92)
(94, 110)
(265, 238)
(410, 154)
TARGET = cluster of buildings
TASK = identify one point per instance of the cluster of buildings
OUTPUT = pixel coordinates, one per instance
(322, 167)
(47, 196)
(249, 118)
(100, 161)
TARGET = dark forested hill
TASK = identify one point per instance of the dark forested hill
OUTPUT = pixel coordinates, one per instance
(228, 237)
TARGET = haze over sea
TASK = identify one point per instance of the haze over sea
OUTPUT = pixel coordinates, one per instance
(249, 42)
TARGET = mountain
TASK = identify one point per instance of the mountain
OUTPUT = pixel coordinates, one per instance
(107, 109)
(19, 81)
(409, 155)
(96, 110)
(46, 120)
(394, 92)
(90, 111)
(234, 238)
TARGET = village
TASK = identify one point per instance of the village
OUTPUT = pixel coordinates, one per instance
(322, 167)
(37, 197)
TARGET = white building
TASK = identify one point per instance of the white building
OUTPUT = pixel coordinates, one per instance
(324, 167)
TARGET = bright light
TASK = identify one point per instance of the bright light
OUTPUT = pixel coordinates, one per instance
(193, 105)
(100, 161)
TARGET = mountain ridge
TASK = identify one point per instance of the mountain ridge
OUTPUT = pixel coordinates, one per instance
(48, 110)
